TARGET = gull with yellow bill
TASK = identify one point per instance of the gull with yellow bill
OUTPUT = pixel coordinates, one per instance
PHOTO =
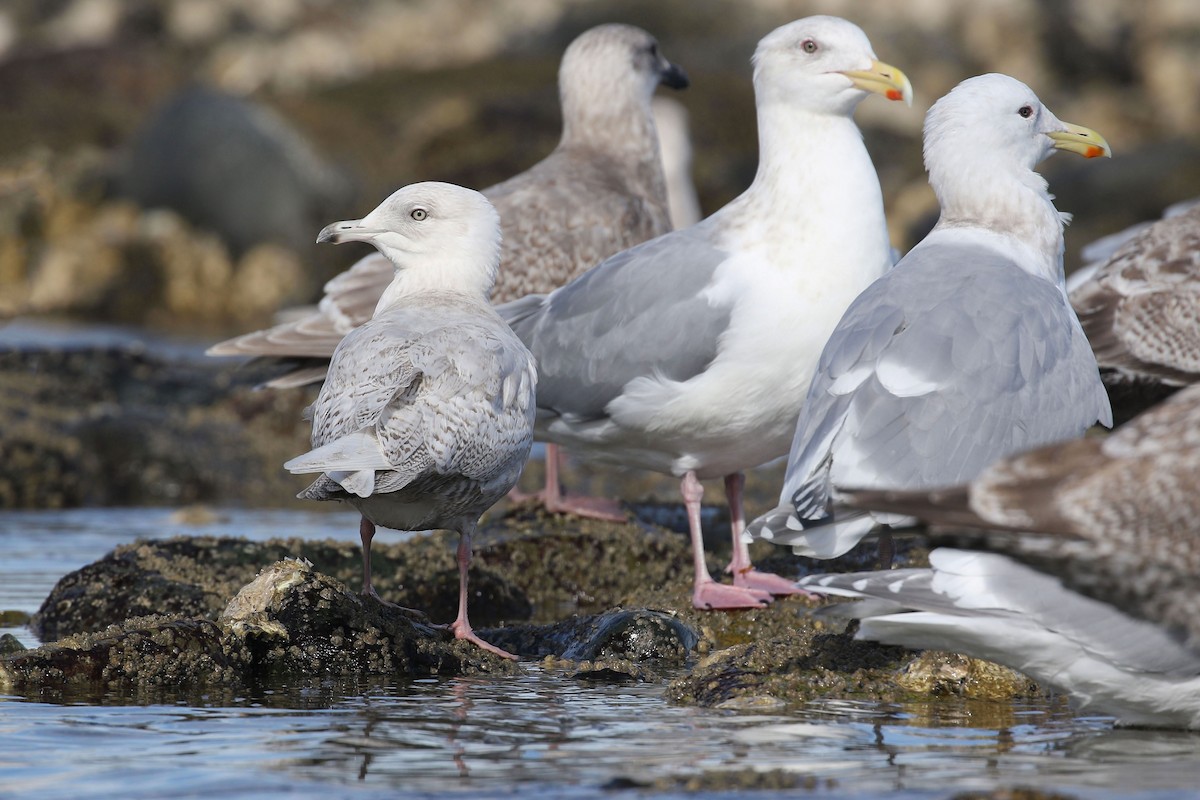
(690, 354)
(967, 351)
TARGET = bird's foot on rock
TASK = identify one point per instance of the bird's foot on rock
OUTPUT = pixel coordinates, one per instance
(411, 613)
(463, 631)
(768, 582)
(721, 596)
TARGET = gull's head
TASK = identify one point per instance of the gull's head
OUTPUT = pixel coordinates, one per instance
(998, 120)
(825, 64)
(449, 234)
(615, 61)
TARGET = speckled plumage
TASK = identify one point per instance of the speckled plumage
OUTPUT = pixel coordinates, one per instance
(600, 191)
(1141, 308)
(426, 417)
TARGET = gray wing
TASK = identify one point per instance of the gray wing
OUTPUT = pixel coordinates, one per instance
(954, 359)
(965, 590)
(641, 312)
(565, 215)
(415, 391)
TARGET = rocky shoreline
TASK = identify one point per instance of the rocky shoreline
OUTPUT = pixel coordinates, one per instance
(595, 601)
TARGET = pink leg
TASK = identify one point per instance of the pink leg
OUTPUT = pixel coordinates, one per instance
(707, 593)
(744, 573)
(553, 500)
(461, 626)
(366, 532)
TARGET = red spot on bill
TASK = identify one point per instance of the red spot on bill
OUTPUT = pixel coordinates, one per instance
(894, 94)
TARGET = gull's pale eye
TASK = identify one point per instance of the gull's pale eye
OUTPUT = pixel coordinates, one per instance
(418, 214)
(808, 46)
(1025, 111)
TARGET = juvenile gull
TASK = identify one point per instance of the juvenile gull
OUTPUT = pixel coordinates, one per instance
(690, 354)
(967, 350)
(600, 191)
(1094, 582)
(1141, 309)
(426, 416)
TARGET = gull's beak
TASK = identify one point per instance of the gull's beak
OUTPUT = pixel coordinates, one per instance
(882, 79)
(350, 230)
(1078, 139)
(673, 77)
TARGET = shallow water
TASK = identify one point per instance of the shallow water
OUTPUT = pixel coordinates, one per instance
(541, 734)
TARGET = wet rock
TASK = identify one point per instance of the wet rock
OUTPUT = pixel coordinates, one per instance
(937, 674)
(233, 167)
(1015, 793)
(722, 781)
(639, 635)
(297, 621)
(289, 621)
(793, 668)
(156, 650)
(196, 576)
(10, 644)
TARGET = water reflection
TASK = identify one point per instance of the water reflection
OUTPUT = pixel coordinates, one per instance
(541, 734)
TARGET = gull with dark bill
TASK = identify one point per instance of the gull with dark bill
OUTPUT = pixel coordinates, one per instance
(690, 354)
(967, 350)
(1077, 564)
(426, 416)
(600, 191)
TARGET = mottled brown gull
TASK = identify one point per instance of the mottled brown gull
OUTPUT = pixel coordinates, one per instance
(690, 354)
(426, 416)
(1140, 310)
(1092, 579)
(600, 191)
(967, 350)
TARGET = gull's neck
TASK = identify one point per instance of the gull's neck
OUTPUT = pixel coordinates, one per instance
(615, 119)
(1013, 209)
(816, 189)
(460, 277)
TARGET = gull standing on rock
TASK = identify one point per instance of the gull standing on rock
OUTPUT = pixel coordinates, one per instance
(600, 191)
(967, 350)
(426, 416)
(1093, 582)
(690, 354)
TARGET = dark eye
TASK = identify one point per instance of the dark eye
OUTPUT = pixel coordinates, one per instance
(1025, 111)
(418, 214)
(808, 46)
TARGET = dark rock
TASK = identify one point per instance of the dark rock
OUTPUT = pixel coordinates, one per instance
(236, 168)
(10, 644)
(639, 635)
(288, 621)
(195, 576)
(119, 426)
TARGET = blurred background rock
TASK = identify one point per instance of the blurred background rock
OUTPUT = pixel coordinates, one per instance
(167, 163)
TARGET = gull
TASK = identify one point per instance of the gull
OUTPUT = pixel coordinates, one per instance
(1140, 310)
(967, 350)
(1083, 569)
(600, 191)
(690, 354)
(426, 416)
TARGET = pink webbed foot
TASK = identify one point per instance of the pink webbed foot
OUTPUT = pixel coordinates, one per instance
(463, 631)
(721, 597)
(769, 582)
